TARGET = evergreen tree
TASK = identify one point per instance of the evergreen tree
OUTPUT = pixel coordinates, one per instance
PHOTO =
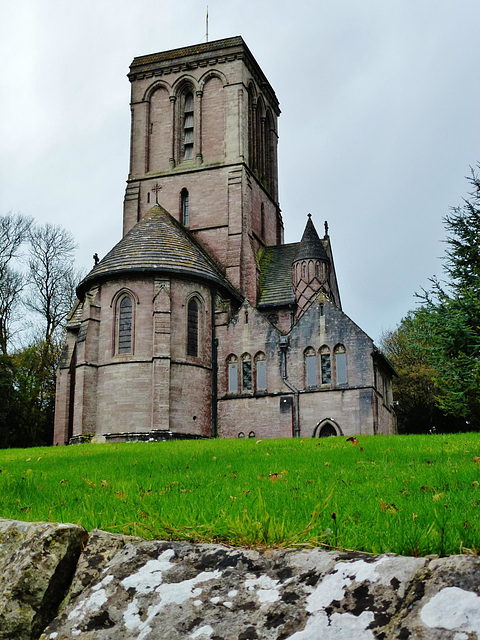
(449, 319)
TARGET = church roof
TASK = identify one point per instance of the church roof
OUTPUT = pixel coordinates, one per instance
(158, 243)
(310, 245)
(276, 284)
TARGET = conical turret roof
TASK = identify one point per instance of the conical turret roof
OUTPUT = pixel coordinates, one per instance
(158, 243)
(310, 247)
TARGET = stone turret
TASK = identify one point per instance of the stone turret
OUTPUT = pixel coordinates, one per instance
(311, 269)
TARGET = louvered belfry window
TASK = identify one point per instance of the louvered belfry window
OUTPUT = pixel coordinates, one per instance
(192, 328)
(125, 314)
(188, 127)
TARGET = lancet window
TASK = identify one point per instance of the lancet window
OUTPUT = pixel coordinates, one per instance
(185, 207)
(124, 324)
(192, 327)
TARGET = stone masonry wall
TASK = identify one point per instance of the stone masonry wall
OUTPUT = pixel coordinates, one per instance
(57, 582)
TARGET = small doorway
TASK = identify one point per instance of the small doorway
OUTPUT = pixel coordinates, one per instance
(326, 429)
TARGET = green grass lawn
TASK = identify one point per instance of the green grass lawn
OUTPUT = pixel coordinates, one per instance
(412, 495)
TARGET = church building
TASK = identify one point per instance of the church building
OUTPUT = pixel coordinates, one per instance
(201, 321)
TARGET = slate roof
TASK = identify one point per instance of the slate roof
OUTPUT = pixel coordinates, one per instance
(276, 288)
(158, 243)
(275, 264)
(74, 318)
(310, 245)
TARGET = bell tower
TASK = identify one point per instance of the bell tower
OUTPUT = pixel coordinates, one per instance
(204, 135)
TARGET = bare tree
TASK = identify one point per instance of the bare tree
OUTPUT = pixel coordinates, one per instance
(52, 277)
(14, 231)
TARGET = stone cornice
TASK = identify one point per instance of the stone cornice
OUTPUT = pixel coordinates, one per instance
(207, 54)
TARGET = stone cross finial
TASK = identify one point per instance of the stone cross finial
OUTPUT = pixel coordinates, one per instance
(156, 189)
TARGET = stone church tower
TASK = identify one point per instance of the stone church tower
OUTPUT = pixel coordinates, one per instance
(201, 322)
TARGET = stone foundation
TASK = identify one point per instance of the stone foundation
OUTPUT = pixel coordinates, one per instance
(58, 582)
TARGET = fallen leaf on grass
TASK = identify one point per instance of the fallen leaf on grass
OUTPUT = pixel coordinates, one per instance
(121, 495)
(388, 508)
(276, 476)
(437, 496)
(475, 483)
(353, 440)
(476, 459)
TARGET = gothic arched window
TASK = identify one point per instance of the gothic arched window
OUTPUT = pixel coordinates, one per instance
(188, 126)
(232, 365)
(261, 371)
(310, 367)
(192, 327)
(246, 372)
(325, 365)
(341, 364)
(184, 207)
(124, 324)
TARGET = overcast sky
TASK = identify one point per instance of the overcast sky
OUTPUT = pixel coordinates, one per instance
(380, 121)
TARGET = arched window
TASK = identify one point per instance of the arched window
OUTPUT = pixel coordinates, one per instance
(310, 367)
(341, 364)
(192, 328)
(124, 324)
(261, 372)
(188, 126)
(325, 365)
(232, 368)
(184, 208)
(246, 372)
(304, 270)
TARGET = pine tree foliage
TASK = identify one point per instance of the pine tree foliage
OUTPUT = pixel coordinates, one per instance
(450, 314)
